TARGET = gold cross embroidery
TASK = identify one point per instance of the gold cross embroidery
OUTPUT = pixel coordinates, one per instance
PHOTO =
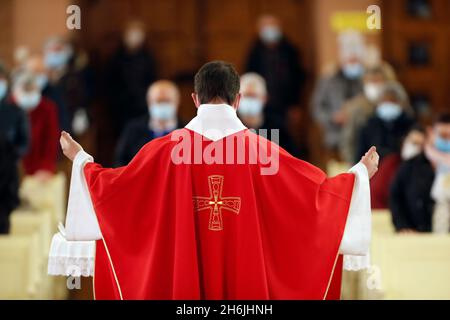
(215, 203)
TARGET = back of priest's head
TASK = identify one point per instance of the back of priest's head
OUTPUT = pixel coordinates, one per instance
(215, 82)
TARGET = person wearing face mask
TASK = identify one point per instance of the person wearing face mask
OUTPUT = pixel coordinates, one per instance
(392, 119)
(41, 158)
(251, 110)
(163, 100)
(357, 111)
(333, 90)
(412, 147)
(129, 73)
(276, 59)
(69, 83)
(37, 66)
(437, 149)
(14, 141)
(410, 198)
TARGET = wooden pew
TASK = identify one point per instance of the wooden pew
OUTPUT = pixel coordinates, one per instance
(19, 256)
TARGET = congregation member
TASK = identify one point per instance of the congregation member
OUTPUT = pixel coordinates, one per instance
(412, 146)
(276, 59)
(251, 110)
(391, 121)
(357, 111)
(41, 158)
(163, 99)
(332, 91)
(14, 140)
(70, 75)
(36, 65)
(129, 73)
(438, 151)
(410, 198)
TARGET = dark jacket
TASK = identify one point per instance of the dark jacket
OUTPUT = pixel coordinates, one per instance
(410, 201)
(386, 136)
(14, 127)
(128, 78)
(281, 69)
(135, 135)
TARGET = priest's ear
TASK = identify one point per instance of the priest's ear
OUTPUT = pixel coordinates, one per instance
(236, 102)
(195, 99)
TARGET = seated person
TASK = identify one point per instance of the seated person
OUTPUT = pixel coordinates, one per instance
(437, 150)
(251, 110)
(391, 122)
(163, 99)
(41, 158)
(410, 199)
(379, 186)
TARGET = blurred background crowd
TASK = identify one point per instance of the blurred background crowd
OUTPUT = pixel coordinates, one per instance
(311, 69)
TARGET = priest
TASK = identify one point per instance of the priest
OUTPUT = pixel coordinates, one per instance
(167, 229)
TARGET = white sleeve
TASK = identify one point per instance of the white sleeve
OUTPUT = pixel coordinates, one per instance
(357, 234)
(72, 251)
(81, 221)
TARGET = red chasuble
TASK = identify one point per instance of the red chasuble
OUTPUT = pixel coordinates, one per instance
(217, 231)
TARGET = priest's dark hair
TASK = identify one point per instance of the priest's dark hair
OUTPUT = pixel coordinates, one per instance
(217, 80)
(442, 118)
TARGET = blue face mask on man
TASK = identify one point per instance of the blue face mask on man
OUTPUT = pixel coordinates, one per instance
(163, 111)
(56, 59)
(388, 111)
(353, 71)
(250, 106)
(3, 88)
(442, 144)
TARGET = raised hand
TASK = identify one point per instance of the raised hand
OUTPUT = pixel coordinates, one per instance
(370, 160)
(69, 146)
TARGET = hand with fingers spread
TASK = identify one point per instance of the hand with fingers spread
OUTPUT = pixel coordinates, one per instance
(69, 146)
(370, 160)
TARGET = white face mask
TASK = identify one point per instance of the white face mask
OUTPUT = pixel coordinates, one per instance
(41, 80)
(410, 150)
(250, 106)
(28, 100)
(353, 70)
(270, 34)
(162, 111)
(373, 91)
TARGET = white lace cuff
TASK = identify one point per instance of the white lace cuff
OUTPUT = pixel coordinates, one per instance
(71, 258)
(356, 263)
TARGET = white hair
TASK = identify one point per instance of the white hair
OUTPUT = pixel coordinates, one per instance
(254, 79)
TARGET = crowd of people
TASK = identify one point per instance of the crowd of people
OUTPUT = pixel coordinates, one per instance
(358, 105)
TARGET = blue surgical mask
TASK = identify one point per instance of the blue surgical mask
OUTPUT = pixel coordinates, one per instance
(442, 144)
(28, 100)
(388, 111)
(56, 59)
(3, 88)
(250, 107)
(353, 71)
(270, 34)
(162, 111)
(41, 80)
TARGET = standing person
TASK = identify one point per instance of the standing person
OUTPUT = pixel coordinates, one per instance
(179, 223)
(129, 73)
(390, 123)
(358, 110)
(276, 59)
(41, 158)
(163, 100)
(334, 90)
(70, 77)
(14, 141)
(251, 110)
